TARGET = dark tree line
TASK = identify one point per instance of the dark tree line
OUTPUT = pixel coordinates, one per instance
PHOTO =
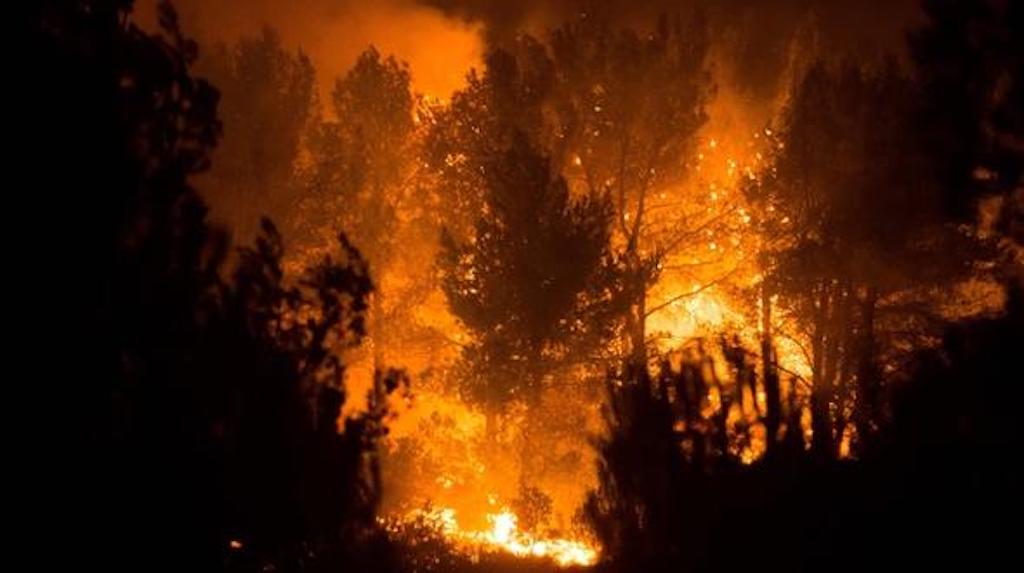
(870, 208)
(934, 491)
(201, 404)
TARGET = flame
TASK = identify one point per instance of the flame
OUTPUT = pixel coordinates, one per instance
(505, 536)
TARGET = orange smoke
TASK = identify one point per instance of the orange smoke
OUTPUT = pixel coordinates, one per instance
(439, 50)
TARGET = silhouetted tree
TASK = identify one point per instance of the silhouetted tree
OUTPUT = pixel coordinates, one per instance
(628, 107)
(968, 60)
(296, 491)
(523, 283)
(118, 126)
(363, 176)
(361, 160)
(640, 471)
(505, 101)
(843, 256)
(268, 96)
(936, 473)
(671, 463)
(193, 397)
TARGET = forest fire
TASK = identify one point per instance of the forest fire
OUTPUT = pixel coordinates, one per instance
(505, 536)
(545, 286)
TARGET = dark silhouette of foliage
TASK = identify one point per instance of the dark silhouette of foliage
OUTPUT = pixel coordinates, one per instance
(628, 107)
(522, 284)
(867, 215)
(119, 125)
(969, 59)
(299, 494)
(504, 102)
(931, 491)
(206, 409)
(848, 257)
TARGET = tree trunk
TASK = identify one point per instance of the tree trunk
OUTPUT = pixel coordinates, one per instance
(866, 409)
(845, 357)
(821, 390)
(769, 375)
(636, 327)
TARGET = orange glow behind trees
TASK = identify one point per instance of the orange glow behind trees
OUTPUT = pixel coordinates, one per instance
(697, 202)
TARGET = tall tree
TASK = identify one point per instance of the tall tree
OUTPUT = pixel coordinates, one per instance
(858, 233)
(268, 95)
(968, 59)
(192, 396)
(361, 159)
(524, 283)
(628, 108)
(506, 101)
(362, 174)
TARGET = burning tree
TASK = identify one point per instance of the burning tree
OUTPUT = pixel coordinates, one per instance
(617, 112)
(480, 123)
(524, 283)
(523, 266)
(628, 107)
(359, 169)
(854, 239)
(267, 98)
(361, 173)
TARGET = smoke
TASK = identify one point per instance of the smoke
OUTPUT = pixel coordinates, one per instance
(752, 38)
(439, 49)
(758, 47)
(442, 39)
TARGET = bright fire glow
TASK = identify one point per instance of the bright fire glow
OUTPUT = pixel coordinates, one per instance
(505, 536)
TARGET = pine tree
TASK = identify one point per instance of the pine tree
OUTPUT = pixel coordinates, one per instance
(524, 284)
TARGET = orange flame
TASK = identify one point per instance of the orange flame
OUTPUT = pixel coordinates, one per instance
(505, 536)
